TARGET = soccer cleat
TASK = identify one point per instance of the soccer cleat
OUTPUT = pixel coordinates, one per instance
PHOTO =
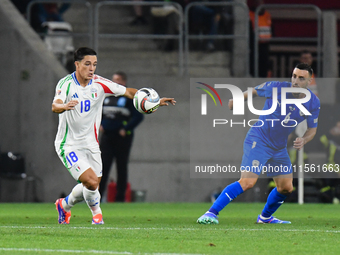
(271, 220)
(97, 219)
(208, 218)
(64, 217)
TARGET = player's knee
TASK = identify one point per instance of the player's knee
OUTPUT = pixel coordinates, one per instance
(91, 184)
(247, 183)
(285, 189)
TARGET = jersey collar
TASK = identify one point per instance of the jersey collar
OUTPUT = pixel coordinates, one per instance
(76, 81)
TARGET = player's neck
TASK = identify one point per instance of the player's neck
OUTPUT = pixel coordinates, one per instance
(83, 82)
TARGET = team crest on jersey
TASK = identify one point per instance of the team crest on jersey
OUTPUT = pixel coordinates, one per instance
(58, 92)
(255, 163)
(292, 108)
(94, 93)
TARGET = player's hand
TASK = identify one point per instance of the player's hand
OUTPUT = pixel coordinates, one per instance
(122, 132)
(299, 143)
(165, 100)
(70, 105)
(230, 104)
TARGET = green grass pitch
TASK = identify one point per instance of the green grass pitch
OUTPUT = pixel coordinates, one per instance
(169, 228)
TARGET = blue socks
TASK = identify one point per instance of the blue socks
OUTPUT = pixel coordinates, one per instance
(274, 201)
(228, 194)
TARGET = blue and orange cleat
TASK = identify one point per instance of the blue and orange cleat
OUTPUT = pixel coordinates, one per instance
(97, 219)
(64, 217)
(208, 218)
(271, 220)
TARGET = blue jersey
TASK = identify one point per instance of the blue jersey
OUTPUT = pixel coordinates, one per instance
(273, 133)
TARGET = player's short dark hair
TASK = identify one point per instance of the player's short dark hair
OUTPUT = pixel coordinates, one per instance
(304, 66)
(121, 74)
(80, 53)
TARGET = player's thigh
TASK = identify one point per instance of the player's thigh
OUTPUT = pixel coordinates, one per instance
(95, 160)
(77, 161)
(279, 164)
(255, 156)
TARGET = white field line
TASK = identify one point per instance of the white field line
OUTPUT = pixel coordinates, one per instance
(58, 251)
(175, 229)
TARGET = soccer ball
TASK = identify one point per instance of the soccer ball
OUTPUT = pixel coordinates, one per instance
(146, 100)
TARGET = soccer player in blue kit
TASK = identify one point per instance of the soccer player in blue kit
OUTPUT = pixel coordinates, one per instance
(265, 145)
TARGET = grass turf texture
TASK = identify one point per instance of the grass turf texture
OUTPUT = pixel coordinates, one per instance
(168, 228)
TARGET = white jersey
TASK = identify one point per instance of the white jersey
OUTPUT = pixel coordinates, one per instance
(79, 127)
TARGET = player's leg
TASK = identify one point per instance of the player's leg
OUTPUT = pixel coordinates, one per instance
(284, 186)
(123, 153)
(91, 194)
(283, 178)
(74, 197)
(64, 205)
(253, 158)
(70, 159)
(230, 192)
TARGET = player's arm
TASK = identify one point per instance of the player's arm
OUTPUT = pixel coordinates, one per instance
(130, 93)
(164, 101)
(307, 137)
(245, 95)
(58, 105)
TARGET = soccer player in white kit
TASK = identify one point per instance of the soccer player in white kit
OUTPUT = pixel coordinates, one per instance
(78, 100)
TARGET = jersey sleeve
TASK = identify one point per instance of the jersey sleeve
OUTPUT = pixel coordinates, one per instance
(62, 89)
(266, 89)
(312, 120)
(110, 87)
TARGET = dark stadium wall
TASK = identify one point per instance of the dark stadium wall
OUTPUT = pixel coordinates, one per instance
(29, 74)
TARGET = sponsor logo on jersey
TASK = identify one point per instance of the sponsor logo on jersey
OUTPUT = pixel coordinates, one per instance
(75, 95)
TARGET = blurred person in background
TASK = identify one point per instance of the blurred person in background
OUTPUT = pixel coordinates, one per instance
(119, 120)
(265, 33)
(307, 57)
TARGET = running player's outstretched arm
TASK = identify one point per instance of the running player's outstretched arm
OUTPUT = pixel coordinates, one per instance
(307, 137)
(58, 105)
(245, 95)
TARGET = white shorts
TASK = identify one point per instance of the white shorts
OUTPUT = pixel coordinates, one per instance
(77, 161)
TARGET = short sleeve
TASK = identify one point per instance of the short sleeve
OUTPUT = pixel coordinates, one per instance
(110, 87)
(265, 89)
(312, 120)
(62, 89)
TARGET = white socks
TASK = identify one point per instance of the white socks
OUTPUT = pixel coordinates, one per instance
(92, 199)
(74, 197)
(78, 194)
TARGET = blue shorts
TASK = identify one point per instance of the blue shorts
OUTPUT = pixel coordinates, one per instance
(258, 157)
